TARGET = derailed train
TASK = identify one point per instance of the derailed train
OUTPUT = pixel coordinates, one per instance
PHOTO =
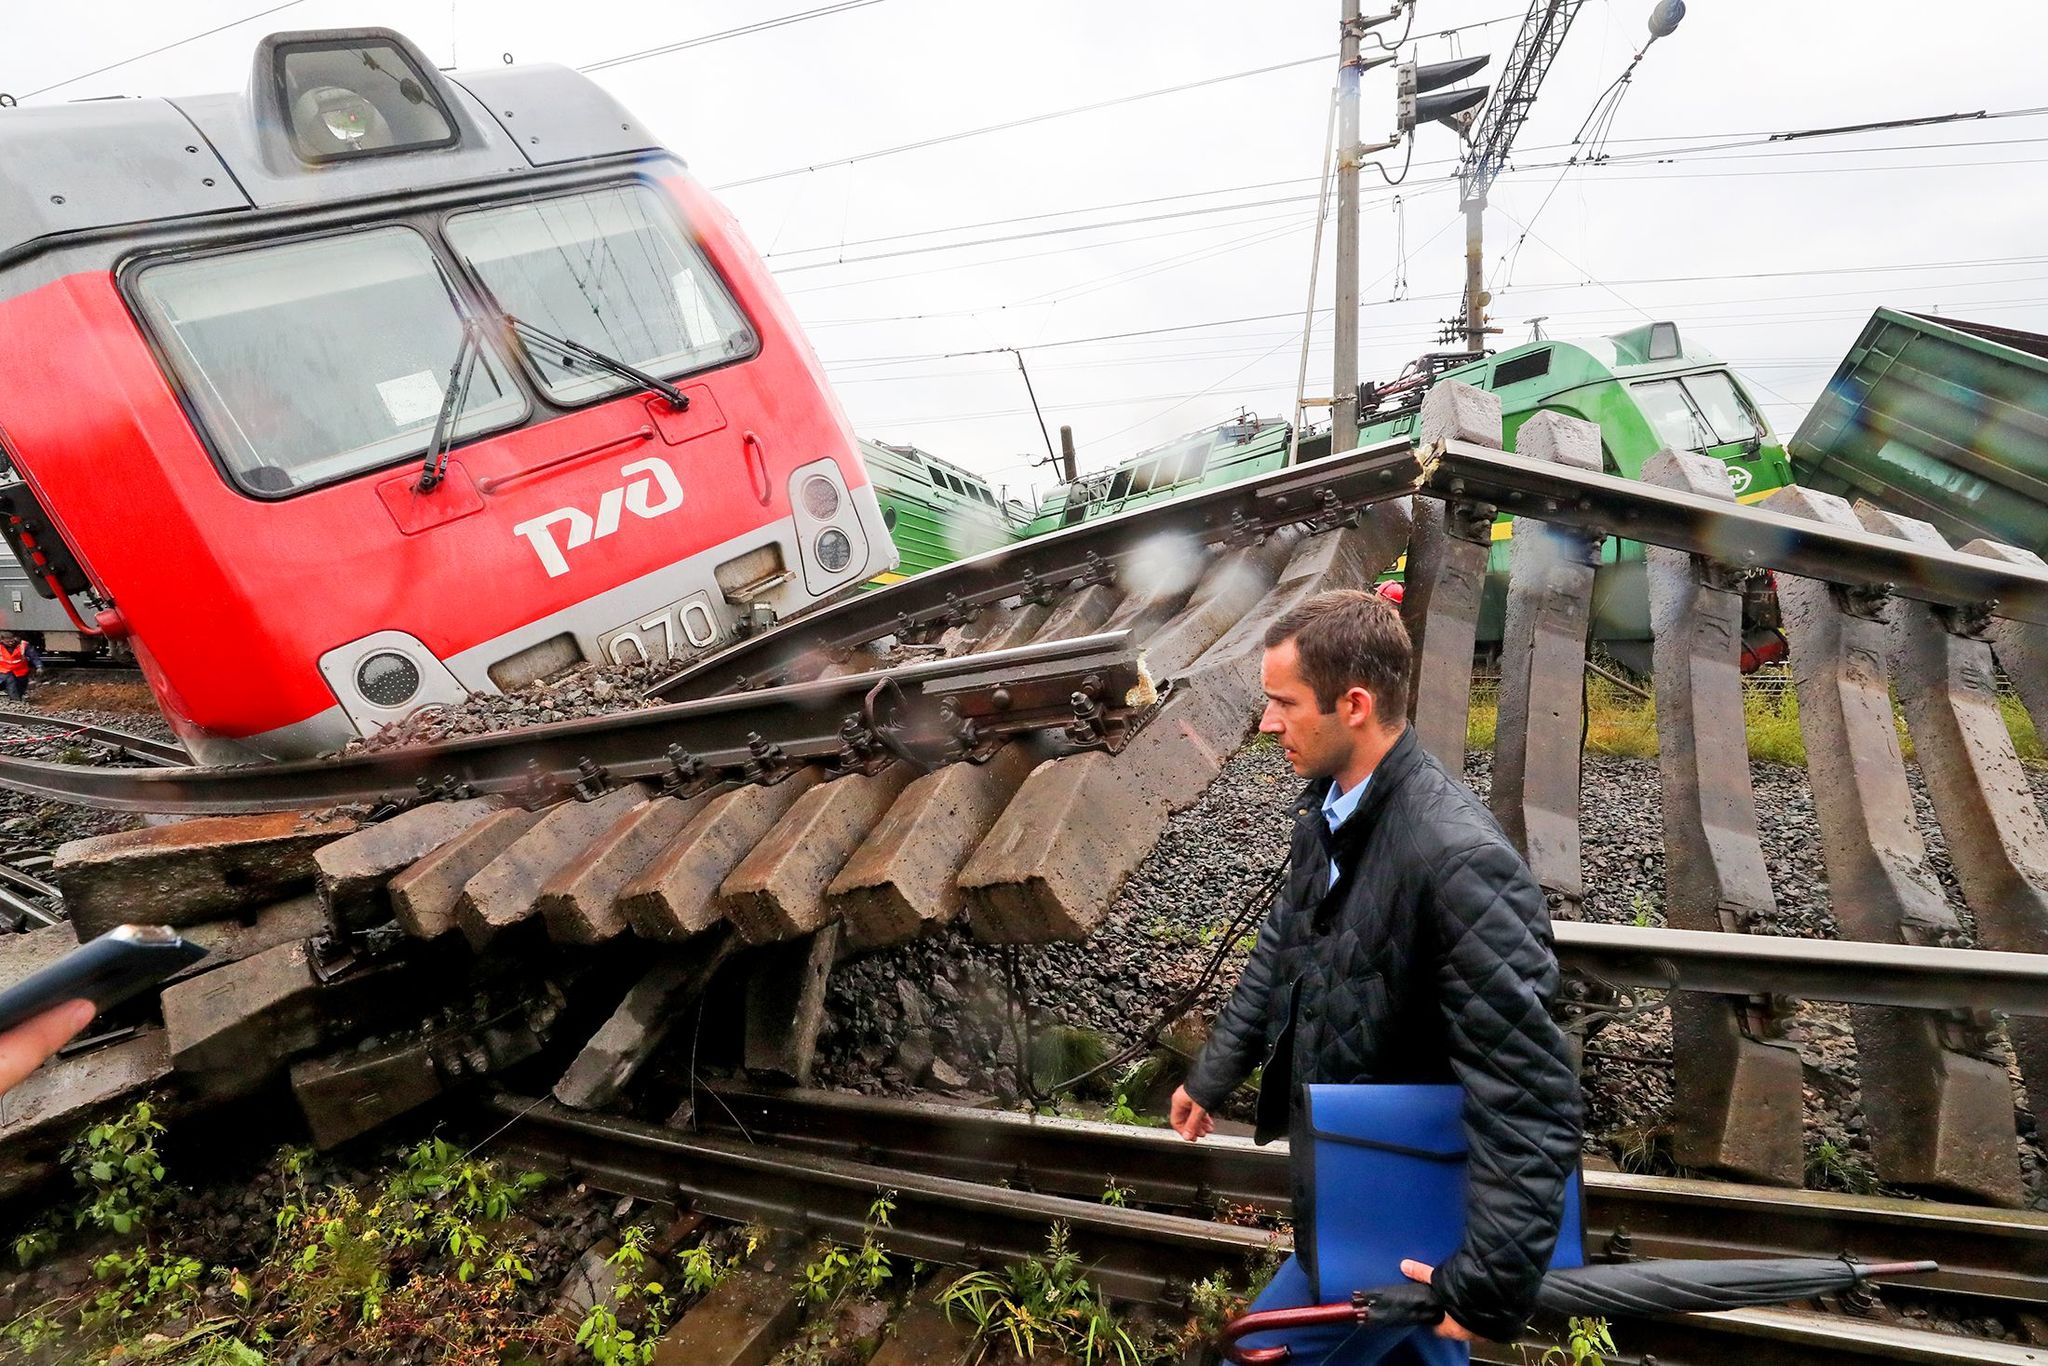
(373, 385)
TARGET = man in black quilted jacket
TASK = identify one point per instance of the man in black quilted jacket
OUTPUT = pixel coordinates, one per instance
(1409, 943)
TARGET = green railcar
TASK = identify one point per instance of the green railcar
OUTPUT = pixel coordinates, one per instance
(1234, 450)
(1647, 391)
(1940, 419)
(936, 511)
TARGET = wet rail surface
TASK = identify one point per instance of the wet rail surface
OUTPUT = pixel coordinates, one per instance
(815, 1163)
(1985, 1253)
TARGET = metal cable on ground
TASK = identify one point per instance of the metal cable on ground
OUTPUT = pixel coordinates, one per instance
(1187, 1000)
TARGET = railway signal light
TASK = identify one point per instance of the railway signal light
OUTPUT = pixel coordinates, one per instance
(1421, 97)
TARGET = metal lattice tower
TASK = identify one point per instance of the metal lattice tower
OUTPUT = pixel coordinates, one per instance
(1486, 149)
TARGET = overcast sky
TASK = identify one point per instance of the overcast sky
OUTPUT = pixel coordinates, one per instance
(1772, 256)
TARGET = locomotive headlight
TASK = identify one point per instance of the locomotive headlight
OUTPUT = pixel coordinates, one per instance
(345, 95)
(387, 679)
(821, 497)
(835, 551)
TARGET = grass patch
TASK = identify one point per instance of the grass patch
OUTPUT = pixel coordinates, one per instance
(1771, 717)
(2025, 737)
(432, 1258)
(1621, 724)
(1481, 721)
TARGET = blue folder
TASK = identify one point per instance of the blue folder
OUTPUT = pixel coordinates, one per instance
(1385, 1181)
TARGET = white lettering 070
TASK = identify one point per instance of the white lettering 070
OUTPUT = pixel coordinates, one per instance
(638, 496)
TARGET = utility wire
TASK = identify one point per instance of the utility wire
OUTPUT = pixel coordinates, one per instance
(1065, 113)
(1655, 155)
(1663, 155)
(1035, 255)
(1047, 232)
(857, 362)
(743, 30)
(1040, 217)
(1315, 261)
(193, 38)
(1028, 120)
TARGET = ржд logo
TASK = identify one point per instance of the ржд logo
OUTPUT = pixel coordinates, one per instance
(637, 497)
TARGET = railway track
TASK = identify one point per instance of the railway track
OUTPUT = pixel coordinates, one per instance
(801, 800)
(979, 1189)
(51, 729)
(1986, 1255)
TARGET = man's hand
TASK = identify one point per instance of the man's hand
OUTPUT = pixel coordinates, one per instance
(1450, 1327)
(24, 1047)
(1190, 1120)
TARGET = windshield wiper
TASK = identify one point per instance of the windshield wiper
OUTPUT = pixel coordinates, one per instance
(576, 353)
(453, 399)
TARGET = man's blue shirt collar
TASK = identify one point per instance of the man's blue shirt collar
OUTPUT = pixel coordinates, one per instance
(1338, 806)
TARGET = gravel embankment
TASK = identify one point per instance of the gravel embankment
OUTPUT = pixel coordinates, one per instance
(42, 730)
(936, 1012)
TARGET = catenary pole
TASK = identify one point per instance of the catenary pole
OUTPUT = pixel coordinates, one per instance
(1344, 386)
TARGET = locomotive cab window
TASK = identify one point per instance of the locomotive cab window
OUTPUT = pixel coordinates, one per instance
(610, 269)
(1722, 405)
(1697, 412)
(310, 361)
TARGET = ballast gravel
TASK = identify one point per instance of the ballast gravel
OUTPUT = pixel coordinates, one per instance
(938, 1013)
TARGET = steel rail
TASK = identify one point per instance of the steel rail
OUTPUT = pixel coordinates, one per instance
(1134, 1255)
(1986, 1253)
(1819, 969)
(163, 753)
(855, 720)
(1092, 550)
(29, 882)
(1744, 535)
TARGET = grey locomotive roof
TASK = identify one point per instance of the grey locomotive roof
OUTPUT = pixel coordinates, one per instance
(94, 164)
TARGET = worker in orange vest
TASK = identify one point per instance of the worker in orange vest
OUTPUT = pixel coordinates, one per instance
(17, 659)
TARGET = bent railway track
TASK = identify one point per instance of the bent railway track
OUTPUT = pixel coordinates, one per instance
(49, 729)
(809, 795)
(976, 1189)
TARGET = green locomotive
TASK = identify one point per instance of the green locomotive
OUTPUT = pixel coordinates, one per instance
(1647, 391)
(1644, 388)
(936, 511)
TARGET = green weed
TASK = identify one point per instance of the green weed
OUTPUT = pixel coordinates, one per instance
(1830, 1167)
(838, 1270)
(1064, 1052)
(1587, 1342)
(1045, 1304)
(601, 1333)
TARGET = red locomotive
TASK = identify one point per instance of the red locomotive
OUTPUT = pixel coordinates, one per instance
(373, 386)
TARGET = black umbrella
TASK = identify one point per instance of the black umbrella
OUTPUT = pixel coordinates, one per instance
(1632, 1288)
(1684, 1287)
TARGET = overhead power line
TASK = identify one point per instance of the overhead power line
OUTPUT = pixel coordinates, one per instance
(1025, 122)
(190, 38)
(1046, 232)
(1038, 217)
(742, 31)
(1608, 167)
(1885, 268)
(1005, 126)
